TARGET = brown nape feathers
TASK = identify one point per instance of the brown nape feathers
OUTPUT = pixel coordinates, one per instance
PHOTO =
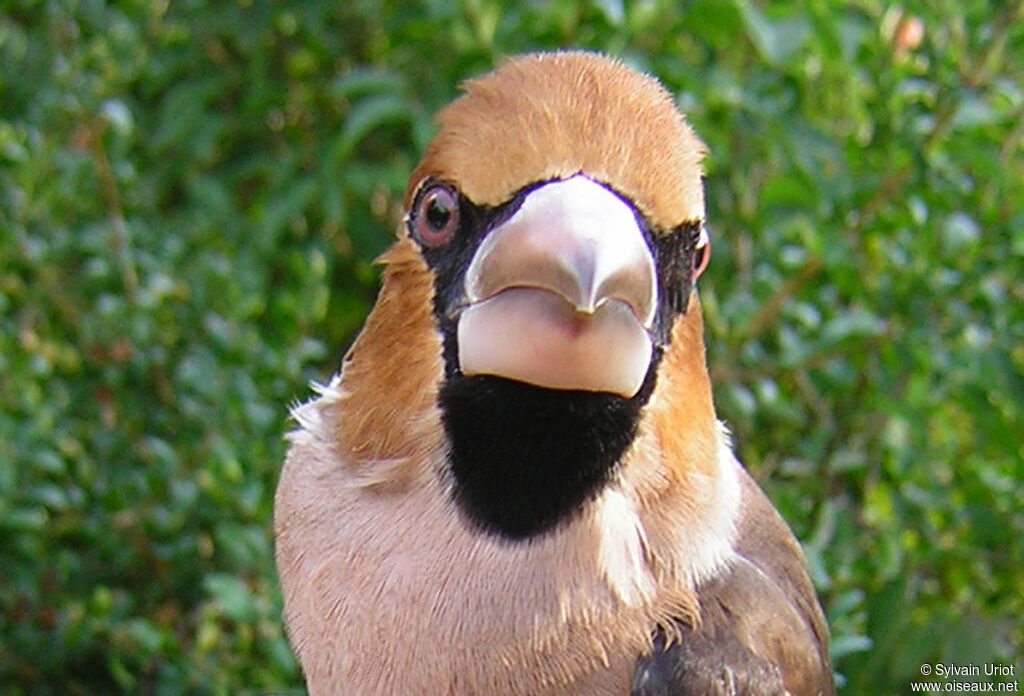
(517, 484)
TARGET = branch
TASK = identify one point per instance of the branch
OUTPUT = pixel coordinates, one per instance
(112, 196)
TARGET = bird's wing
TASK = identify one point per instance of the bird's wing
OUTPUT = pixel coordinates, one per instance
(761, 629)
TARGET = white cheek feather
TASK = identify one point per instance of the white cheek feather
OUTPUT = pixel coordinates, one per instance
(703, 553)
(691, 553)
(309, 415)
(622, 553)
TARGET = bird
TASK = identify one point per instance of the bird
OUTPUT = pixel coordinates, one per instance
(517, 483)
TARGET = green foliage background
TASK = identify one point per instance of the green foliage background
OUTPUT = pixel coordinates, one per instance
(191, 197)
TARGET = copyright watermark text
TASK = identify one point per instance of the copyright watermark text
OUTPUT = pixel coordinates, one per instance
(967, 677)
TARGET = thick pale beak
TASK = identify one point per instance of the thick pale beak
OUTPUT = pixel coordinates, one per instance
(562, 295)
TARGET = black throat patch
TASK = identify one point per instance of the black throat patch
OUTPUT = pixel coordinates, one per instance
(524, 459)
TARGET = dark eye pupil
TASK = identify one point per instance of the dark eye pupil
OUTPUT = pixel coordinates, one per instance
(438, 213)
(436, 218)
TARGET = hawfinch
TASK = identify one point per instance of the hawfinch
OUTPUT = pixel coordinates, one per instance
(517, 483)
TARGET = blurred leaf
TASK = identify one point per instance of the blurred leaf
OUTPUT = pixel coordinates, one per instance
(775, 42)
(848, 645)
(231, 596)
(365, 80)
(856, 323)
(371, 113)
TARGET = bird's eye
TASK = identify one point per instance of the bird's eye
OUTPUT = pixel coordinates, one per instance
(701, 252)
(436, 216)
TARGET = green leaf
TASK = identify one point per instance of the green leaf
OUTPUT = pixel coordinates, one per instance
(231, 596)
(848, 645)
(852, 324)
(369, 114)
(775, 42)
(288, 207)
(363, 80)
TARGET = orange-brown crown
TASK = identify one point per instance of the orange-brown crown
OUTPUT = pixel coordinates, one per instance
(547, 116)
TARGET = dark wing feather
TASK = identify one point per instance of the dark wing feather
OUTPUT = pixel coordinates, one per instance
(761, 630)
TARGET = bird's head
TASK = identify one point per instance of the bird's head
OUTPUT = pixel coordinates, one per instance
(538, 311)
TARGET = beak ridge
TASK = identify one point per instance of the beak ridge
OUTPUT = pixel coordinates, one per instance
(562, 294)
(574, 238)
